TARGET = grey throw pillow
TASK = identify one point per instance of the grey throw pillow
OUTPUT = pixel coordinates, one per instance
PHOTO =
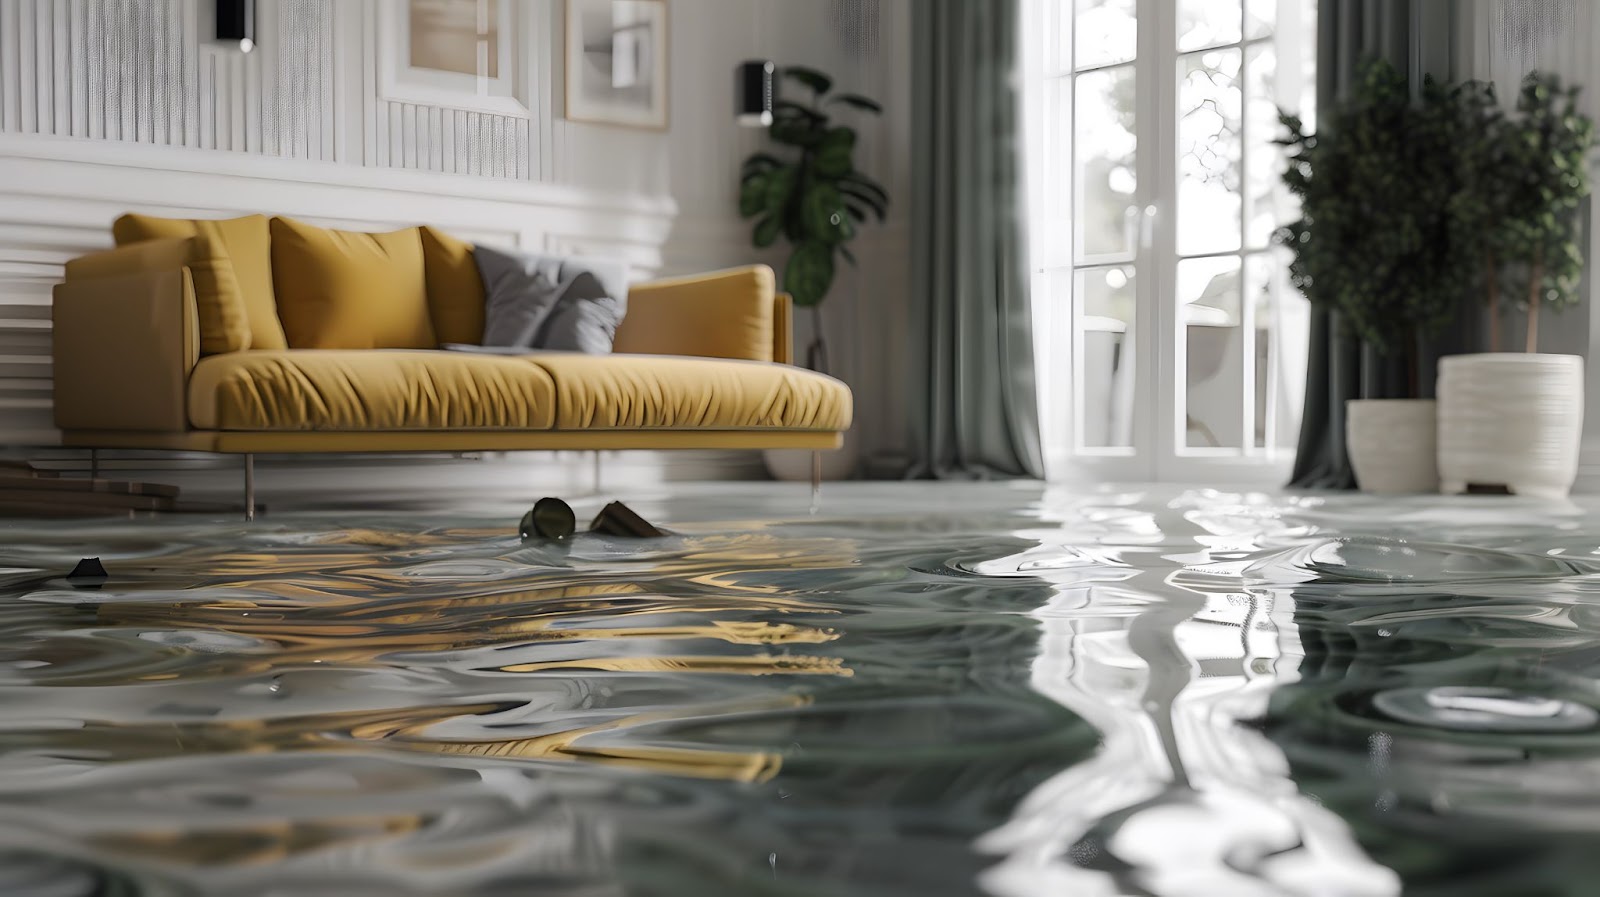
(539, 301)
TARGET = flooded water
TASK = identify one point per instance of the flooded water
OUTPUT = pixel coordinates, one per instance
(1067, 693)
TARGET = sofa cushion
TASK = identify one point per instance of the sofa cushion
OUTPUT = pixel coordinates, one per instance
(622, 392)
(722, 314)
(455, 289)
(348, 290)
(543, 301)
(369, 390)
(247, 243)
(219, 308)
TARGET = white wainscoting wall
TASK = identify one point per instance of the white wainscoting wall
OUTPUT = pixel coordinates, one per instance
(108, 106)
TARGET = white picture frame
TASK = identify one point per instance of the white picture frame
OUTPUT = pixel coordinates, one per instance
(616, 62)
(496, 89)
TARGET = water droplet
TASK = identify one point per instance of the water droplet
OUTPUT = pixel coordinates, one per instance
(1484, 709)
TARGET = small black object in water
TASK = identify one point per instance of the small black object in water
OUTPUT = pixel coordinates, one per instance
(550, 518)
(617, 519)
(89, 572)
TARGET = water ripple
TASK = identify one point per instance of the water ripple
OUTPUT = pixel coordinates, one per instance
(1165, 692)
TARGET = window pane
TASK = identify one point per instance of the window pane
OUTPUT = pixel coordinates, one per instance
(1107, 31)
(1266, 203)
(1260, 17)
(1105, 360)
(1105, 149)
(1282, 326)
(1208, 152)
(1257, 289)
(1209, 308)
(1207, 23)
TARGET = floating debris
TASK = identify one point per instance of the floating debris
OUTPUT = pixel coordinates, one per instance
(89, 568)
(550, 518)
(617, 519)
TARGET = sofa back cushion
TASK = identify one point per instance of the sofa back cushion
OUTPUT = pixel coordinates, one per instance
(245, 242)
(219, 307)
(347, 290)
(721, 314)
(455, 288)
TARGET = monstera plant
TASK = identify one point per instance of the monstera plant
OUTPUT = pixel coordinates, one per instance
(808, 192)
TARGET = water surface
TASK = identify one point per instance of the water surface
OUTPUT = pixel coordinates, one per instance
(1167, 692)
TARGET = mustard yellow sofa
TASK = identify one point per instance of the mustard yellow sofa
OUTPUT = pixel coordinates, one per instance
(251, 335)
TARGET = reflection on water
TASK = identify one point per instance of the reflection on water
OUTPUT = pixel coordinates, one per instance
(1172, 693)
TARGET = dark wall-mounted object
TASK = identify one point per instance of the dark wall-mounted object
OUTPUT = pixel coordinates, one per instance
(236, 23)
(757, 90)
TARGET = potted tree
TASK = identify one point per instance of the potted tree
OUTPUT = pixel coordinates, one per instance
(1382, 243)
(1507, 421)
(811, 196)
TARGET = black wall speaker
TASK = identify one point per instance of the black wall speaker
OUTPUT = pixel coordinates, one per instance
(236, 23)
(757, 90)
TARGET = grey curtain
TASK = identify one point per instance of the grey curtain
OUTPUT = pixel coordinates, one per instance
(1418, 37)
(973, 409)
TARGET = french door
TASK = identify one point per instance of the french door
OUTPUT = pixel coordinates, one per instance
(1170, 343)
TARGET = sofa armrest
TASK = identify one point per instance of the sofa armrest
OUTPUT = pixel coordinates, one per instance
(735, 313)
(123, 348)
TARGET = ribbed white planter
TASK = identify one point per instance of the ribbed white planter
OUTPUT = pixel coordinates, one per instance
(1392, 444)
(1510, 420)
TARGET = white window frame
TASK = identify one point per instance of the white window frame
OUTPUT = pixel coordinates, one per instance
(1159, 342)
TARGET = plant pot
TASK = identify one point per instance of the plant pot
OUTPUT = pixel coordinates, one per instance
(1393, 444)
(1510, 422)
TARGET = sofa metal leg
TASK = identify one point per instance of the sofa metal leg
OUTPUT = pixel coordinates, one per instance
(249, 487)
(94, 464)
(596, 480)
(816, 481)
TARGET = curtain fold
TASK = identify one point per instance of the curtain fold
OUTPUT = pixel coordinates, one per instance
(973, 412)
(1419, 37)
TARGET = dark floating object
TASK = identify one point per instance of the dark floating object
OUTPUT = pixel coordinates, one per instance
(617, 519)
(550, 518)
(88, 568)
(89, 574)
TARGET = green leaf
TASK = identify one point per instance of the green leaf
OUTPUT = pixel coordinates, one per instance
(753, 194)
(782, 108)
(780, 186)
(759, 162)
(870, 200)
(848, 255)
(796, 130)
(824, 216)
(810, 77)
(809, 273)
(766, 232)
(856, 100)
(833, 156)
(855, 211)
(859, 184)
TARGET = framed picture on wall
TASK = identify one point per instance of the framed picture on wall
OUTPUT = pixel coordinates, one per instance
(460, 54)
(617, 62)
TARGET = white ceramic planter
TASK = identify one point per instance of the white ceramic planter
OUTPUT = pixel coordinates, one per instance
(1392, 444)
(1510, 420)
